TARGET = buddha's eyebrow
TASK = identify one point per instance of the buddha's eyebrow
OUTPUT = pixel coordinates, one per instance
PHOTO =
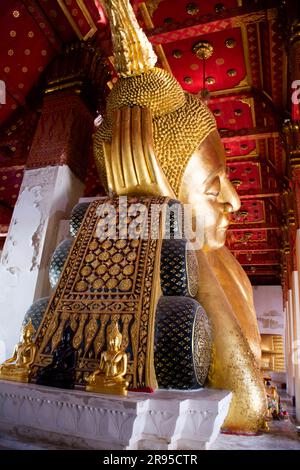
(212, 176)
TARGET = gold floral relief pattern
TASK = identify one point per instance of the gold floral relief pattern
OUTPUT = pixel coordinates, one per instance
(57, 336)
(90, 332)
(100, 338)
(106, 280)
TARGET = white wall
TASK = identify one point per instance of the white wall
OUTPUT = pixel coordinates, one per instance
(269, 309)
(46, 197)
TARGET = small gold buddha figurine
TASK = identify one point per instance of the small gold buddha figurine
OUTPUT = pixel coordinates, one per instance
(18, 367)
(109, 378)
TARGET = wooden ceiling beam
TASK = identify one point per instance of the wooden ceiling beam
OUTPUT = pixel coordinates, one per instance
(254, 133)
(252, 227)
(258, 195)
(254, 250)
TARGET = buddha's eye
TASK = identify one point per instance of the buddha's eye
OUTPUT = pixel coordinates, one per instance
(213, 189)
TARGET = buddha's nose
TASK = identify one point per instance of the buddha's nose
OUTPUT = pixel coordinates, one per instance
(230, 197)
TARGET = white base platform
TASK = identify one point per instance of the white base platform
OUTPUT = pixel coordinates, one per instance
(164, 420)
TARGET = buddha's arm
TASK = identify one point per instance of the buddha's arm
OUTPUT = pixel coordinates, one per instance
(123, 365)
(33, 350)
(234, 366)
(13, 358)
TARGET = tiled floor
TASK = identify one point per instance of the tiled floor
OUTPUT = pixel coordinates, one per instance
(282, 435)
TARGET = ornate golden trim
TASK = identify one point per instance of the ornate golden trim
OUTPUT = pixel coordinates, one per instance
(228, 91)
(86, 14)
(63, 86)
(261, 72)
(248, 79)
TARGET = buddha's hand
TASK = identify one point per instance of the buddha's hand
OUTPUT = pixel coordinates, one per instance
(131, 165)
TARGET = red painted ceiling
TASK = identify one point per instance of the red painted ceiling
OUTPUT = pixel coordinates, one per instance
(244, 76)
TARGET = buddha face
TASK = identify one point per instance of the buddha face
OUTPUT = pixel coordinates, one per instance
(115, 342)
(207, 188)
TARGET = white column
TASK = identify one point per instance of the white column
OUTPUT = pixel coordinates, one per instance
(291, 390)
(47, 195)
(287, 345)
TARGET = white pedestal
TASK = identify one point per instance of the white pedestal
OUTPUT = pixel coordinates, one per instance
(47, 195)
(166, 420)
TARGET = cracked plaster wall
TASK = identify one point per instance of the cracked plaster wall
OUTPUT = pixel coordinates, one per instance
(47, 196)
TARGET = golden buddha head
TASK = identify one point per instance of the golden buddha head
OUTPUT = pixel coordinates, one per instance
(114, 337)
(28, 332)
(185, 138)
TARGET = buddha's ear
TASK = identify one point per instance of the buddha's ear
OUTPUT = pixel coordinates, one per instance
(130, 161)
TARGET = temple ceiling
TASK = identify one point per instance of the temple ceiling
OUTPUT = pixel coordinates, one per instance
(245, 79)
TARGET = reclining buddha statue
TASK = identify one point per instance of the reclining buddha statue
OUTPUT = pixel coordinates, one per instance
(178, 315)
(157, 140)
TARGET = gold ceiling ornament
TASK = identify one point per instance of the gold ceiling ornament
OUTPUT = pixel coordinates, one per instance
(192, 9)
(230, 43)
(177, 53)
(188, 80)
(203, 49)
(210, 80)
(133, 52)
(243, 82)
(247, 101)
(231, 72)
(237, 183)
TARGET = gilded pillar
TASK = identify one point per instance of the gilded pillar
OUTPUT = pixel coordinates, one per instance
(53, 180)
